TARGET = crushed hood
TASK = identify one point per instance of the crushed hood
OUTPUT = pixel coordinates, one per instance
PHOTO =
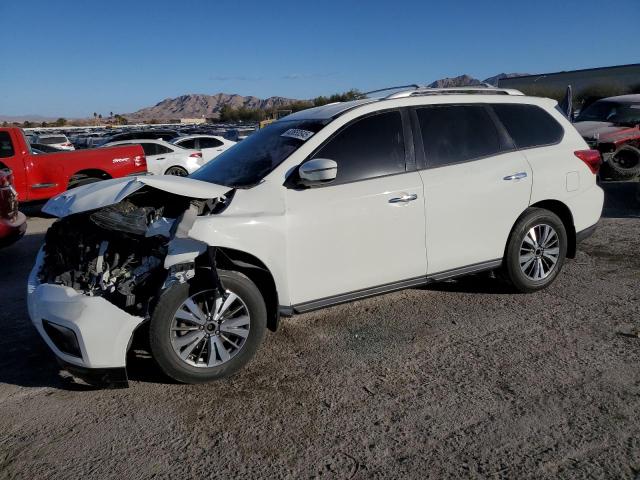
(109, 192)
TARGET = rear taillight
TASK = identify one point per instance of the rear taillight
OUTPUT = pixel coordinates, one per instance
(592, 158)
(196, 155)
(67, 144)
(140, 161)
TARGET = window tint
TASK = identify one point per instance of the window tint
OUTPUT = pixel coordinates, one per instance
(209, 143)
(52, 140)
(529, 125)
(149, 148)
(371, 147)
(6, 147)
(162, 149)
(191, 143)
(457, 133)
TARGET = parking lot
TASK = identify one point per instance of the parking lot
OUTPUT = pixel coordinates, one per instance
(464, 379)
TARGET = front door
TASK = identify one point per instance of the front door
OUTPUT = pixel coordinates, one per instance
(365, 229)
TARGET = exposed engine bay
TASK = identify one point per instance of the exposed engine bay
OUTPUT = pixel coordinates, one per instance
(118, 252)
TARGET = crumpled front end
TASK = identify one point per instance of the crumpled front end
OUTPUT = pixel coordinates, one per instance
(100, 273)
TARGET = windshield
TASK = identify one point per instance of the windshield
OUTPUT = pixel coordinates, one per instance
(248, 162)
(604, 111)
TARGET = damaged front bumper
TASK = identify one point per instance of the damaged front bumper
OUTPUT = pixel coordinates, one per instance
(89, 335)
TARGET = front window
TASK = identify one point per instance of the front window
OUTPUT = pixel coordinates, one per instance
(614, 112)
(248, 162)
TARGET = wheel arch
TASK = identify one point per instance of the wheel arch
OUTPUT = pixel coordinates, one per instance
(564, 213)
(89, 173)
(258, 273)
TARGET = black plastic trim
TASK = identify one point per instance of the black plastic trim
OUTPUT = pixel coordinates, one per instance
(358, 294)
(98, 377)
(458, 272)
(586, 233)
(388, 287)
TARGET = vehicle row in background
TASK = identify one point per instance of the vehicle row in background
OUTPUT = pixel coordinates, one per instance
(164, 158)
(40, 176)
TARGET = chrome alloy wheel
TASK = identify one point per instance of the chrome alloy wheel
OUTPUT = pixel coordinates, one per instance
(208, 330)
(539, 252)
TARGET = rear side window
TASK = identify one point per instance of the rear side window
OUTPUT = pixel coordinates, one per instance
(370, 147)
(529, 125)
(6, 147)
(457, 133)
(190, 143)
(149, 148)
(209, 143)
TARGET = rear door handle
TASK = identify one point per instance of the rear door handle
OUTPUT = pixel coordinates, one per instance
(516, 176)
(404, 198)
(161, 158)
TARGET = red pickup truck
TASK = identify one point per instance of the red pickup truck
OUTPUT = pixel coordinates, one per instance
(39, 176)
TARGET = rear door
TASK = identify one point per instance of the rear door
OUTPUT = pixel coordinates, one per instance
(476, 185)
(366, 228)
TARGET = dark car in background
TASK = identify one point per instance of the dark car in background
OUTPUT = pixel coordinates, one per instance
(13, 223)
(156, 134)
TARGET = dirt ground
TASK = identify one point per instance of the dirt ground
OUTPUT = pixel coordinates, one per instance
(460, 380)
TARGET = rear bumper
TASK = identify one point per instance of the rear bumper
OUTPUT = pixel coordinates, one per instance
(585, 233)
(99, 332)
(11, 231)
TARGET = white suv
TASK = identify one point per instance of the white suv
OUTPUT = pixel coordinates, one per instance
(325, 206)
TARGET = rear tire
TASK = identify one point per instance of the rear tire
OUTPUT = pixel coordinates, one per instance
(221, 351)
(177, 171)
(536, 250)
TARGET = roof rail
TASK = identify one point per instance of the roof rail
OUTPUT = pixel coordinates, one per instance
(479, 89)
(412, 85)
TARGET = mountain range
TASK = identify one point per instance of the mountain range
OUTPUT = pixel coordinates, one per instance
(208, 106)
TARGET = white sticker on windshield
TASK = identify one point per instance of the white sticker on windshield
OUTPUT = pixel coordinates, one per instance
(303, 135)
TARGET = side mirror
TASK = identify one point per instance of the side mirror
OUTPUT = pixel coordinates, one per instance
(318, 171)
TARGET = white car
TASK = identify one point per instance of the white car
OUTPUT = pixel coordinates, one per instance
(210, 145)
(329, 205)
(59, 141)
(164, 158)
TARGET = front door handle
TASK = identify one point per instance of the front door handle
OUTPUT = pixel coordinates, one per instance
(404, 198)
(161, 158)
(516, 176)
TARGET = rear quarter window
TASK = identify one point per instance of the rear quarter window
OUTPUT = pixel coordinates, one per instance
(529, 125)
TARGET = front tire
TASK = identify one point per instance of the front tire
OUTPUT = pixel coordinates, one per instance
(196, 336)
(536, 250)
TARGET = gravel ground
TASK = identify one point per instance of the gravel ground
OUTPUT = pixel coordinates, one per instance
(460, 380)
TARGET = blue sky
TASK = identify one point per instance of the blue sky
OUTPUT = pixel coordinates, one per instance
(71, 58)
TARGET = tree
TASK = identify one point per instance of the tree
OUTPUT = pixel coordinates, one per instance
(5, 124)
(43, 124)
(61, 122)
(27, 124)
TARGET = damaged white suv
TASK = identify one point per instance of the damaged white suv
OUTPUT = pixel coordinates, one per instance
(325, 206)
